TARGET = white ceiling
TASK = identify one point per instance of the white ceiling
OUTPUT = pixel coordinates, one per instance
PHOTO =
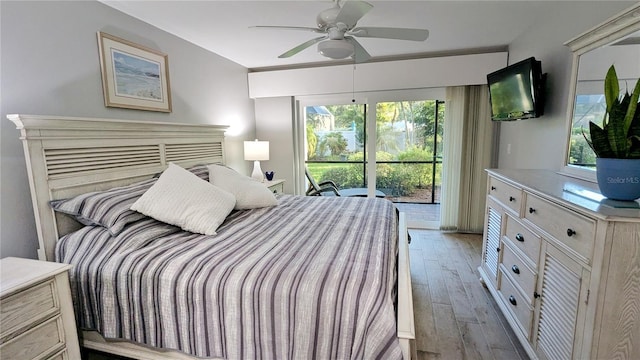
(455, 27)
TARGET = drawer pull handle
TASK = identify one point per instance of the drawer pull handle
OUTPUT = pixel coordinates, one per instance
(531, 210)
(498, 249)
(493, 188)
(519, 237)
(515, 269)
(536, 295)
(511, 198)
(570, 232)
(512, 300)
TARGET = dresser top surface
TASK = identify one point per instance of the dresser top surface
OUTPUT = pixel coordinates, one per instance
(17, 273)
(575, 193)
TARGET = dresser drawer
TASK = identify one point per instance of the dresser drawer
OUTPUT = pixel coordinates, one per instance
(36, 311)
(525, 240)
(523, 276)
(28, 307)
(573, 230)
(508, 195)
(44, 339)
(516, 304)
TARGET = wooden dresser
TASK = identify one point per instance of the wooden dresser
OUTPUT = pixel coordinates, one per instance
(36, 311)
(563, 268)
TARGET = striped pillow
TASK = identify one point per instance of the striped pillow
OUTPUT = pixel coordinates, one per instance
(201, 171)
(111, 208)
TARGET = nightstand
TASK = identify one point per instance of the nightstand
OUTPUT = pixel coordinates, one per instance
(275, 185)
(36, 311)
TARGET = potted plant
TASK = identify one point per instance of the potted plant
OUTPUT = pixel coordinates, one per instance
(617, 143)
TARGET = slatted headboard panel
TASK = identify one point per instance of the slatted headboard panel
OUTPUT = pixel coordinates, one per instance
(63, 162)
(66, 156)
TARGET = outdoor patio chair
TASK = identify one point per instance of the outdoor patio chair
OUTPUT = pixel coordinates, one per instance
(329, 188)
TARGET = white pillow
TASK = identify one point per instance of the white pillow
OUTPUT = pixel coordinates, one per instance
(249, 193)
(183, 199)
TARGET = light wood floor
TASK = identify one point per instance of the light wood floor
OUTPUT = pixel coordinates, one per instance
(456, 317)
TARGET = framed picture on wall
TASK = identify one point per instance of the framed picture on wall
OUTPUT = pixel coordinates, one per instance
(133, 76)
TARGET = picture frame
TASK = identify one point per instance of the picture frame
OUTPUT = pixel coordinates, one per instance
(133, 76)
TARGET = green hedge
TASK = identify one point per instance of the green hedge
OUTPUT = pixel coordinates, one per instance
(392, 179)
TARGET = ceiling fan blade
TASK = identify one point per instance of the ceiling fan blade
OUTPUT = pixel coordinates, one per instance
(303, 28)
(352, 11)
(391, 33)
(360, 55)
(301, 47)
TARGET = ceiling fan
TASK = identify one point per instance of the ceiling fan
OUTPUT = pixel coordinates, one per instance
(338, 26)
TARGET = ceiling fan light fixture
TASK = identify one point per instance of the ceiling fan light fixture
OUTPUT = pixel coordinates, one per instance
(336, 49)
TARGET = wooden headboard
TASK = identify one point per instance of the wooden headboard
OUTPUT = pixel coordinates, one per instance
(67, 156)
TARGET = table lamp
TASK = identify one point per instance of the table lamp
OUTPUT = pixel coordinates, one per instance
(256, 151)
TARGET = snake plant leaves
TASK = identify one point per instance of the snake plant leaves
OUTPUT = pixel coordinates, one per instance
(634, 133)
(611, 87)
(619, 136)
(599, 141)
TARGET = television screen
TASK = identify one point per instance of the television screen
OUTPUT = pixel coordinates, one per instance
(516, 92)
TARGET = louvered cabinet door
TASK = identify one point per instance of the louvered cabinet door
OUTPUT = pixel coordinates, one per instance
(491, 243)
(562, 297)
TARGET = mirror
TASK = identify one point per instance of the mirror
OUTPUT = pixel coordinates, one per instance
(617, 42)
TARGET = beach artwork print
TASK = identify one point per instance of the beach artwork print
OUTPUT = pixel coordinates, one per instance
(136, 77)
(133, 76)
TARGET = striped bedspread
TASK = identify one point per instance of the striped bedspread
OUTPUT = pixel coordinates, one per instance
(311, 278)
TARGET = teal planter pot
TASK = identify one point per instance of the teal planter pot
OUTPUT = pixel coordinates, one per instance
(619, 179)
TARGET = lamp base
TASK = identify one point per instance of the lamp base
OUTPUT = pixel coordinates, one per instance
(257, 171)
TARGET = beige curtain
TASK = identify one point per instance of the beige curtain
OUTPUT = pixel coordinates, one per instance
(452, 157)
(469, 149)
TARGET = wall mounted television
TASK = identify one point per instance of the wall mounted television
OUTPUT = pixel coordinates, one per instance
(517, 91)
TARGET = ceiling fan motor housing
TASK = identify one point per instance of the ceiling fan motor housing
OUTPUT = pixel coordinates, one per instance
(327, 17)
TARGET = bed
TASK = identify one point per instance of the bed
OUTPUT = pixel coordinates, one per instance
(256, 256)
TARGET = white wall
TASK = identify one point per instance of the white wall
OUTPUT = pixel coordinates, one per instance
(50, 66)
(539, 143)
(273, 123)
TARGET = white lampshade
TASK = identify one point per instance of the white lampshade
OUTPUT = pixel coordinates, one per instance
(256, 150)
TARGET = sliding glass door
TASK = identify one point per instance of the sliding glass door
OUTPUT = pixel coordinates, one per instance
(409, 150)
(408, 147)
(334, 142)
